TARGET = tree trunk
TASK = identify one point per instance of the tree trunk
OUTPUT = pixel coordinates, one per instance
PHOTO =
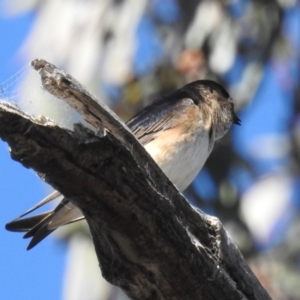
(148, 239)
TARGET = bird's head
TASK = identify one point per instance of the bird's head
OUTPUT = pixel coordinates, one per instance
(215, 103)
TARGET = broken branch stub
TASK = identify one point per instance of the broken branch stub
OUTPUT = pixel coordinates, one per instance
(148, 239)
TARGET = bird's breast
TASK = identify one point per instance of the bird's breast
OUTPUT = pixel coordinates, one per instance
(180, 155)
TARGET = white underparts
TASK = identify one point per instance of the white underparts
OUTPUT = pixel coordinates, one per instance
(180, 158)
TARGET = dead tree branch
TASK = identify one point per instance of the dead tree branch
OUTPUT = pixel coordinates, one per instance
(148, 239)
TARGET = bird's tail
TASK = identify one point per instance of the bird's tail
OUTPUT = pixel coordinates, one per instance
(39, 226)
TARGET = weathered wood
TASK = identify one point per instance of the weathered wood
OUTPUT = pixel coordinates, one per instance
(148, 239)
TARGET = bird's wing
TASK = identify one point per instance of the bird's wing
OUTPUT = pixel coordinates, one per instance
(53, 196)
(159, 116)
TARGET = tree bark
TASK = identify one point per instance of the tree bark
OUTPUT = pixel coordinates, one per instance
(148, 239)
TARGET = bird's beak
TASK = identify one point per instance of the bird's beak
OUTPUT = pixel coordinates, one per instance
(236, 120)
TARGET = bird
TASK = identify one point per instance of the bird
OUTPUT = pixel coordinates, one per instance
(178, 130)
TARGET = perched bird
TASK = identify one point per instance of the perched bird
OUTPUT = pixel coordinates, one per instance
(178, 130)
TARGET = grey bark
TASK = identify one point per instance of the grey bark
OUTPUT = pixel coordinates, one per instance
(148, 239)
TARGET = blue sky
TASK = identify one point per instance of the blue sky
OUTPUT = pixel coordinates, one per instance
(35, 274)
